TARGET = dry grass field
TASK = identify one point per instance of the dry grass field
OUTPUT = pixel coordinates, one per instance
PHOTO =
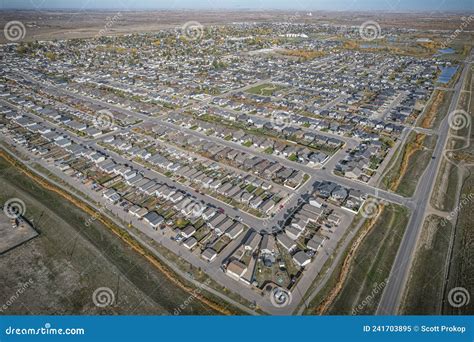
(47, 25)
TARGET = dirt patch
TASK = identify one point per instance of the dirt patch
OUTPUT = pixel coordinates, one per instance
(430, 114)
(424, 289)
(136, 269)
(325, 305)
(411, 148)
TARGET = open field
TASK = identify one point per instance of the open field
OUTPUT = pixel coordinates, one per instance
(13, 235)
(369, 267)
(412, 160)
(456, 245)
(47, 24)
(266, 89)
(437, 109)
(372, 264)
(446, 186)
(424, 290)
(461, 270)
(71, 259)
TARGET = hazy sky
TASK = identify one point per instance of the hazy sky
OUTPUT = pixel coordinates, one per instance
(338, 5)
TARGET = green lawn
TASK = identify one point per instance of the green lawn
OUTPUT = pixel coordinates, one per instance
(266, 89)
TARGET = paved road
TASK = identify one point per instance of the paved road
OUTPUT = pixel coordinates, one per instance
(322, 174)
(317, 174)
(327, 275)
(265, 119)
(392, 294)
(146, 230)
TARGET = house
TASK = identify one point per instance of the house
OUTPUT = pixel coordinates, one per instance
(316, 242)
(188, 231)
(209, 254)
(146, 184)
(235, 230)
(301, 259)
(326, 189)
(293, 232)
(216, 220)
(267, 206)
(267, 246)
(355, 173)
(111, 195)
(176, 197)
(299, 223)
(215, 184)
(134, 180)
(63, 142)
(189, 243)
(255, 202)
(286, 242)
(137, 211)
(252, 241)
(315, 202)
(317, 158)
(294, 180)
(236, 269)
(93, 132)
(311, 213)
(153, 219)
(245, 197)
(225, 188)
(333, 218)
(339, 194)
(193, 209)
(208, 213)
(223, 226)
(129, 175)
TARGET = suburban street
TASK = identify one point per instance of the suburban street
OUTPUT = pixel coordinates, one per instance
(254, 153)
(395, 287)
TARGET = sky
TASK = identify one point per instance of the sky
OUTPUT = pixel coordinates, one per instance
(303, 5)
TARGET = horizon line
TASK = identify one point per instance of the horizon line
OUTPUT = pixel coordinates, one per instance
(408, 11)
